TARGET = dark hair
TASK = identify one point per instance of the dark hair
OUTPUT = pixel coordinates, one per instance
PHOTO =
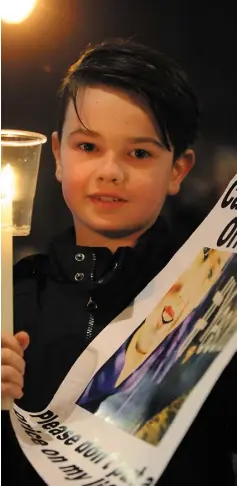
(138, 69)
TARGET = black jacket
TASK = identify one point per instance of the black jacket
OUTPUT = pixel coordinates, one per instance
(64, 299)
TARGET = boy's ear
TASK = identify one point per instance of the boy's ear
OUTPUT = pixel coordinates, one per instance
(180, 169)
(56, 153)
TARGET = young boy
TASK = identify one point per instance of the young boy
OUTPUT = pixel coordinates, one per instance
(127, 122)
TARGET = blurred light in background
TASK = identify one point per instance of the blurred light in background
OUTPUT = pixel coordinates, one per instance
(15, 11)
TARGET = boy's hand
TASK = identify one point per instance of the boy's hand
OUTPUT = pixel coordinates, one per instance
(13, 364)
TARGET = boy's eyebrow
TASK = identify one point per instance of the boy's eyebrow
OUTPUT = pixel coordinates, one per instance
(84, 131)
(87, 131)
(146, 140)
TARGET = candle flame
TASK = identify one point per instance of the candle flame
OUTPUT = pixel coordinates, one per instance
(7, 183)
(15, 11)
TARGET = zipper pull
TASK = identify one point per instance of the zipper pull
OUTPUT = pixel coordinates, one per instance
(91, 305)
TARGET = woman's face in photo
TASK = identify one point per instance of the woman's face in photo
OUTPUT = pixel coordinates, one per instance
(182, 297)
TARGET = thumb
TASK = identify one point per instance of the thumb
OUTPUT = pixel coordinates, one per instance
(23, 339)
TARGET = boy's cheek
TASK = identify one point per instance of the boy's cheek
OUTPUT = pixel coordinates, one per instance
(74, 195)
(71, 183)
(70, 193)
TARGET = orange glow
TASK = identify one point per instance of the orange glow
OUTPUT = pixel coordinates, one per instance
(15, 11)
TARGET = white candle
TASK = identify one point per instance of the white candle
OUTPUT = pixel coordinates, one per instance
(7, 189)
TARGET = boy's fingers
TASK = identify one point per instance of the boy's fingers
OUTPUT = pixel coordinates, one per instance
(12, 376)
(11, 390)
(10, 358)
(10, 342)
(23, 339)
(17, 343)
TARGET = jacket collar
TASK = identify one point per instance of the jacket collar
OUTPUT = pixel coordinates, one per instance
(152, 251)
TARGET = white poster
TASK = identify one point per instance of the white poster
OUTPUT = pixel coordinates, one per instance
(129, 399)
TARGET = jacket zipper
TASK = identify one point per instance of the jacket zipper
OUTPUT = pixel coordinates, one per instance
(90, 327)
(91, 303)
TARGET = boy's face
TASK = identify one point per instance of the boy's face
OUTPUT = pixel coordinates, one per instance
(116, 172)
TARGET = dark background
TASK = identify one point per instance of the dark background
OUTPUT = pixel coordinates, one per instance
(200, 35)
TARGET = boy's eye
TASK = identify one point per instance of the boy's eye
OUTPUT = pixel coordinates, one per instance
(140, 154)
(87, 147)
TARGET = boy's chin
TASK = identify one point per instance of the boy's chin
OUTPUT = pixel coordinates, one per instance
(119, 232)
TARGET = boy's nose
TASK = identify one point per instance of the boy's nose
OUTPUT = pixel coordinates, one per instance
(110, 171)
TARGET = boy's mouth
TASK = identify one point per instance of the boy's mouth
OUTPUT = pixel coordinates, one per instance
(107, 199)
(107, 196)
